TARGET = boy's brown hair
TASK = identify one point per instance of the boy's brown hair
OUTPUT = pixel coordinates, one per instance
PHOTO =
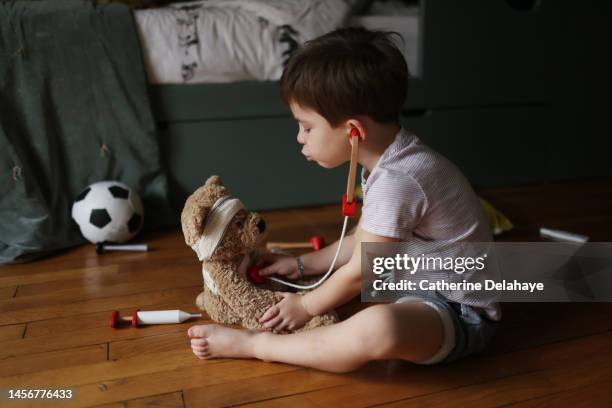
(348, 72)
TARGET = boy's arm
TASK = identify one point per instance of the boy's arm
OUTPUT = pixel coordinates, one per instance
(318, 262)
(345, 283)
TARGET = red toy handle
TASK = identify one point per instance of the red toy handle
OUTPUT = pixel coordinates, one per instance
(135, 318)
(348, 209)
(114, 318)
(317, 242)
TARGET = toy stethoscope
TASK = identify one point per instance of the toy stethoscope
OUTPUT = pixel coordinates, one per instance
(349, 206)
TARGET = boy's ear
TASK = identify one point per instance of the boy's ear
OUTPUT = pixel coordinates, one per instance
(356, 124)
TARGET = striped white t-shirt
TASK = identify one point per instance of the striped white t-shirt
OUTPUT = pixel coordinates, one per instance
(415, 194)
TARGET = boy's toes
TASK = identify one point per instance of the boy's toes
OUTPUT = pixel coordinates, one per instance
(197, 349)
(201, 330)
(192, 331)
(199, 342)
(202, 355)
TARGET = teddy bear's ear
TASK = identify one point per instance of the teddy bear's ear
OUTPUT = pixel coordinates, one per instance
(192, 222)
(216, 180)
(213, 190)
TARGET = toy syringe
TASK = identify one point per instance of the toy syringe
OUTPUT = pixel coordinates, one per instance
(140, 318)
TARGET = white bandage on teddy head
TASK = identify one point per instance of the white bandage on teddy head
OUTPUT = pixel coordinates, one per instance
(215, 224)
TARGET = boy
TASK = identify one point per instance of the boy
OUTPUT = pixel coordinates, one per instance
(357, 78)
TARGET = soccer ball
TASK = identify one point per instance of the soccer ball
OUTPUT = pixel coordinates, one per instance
(108, 211)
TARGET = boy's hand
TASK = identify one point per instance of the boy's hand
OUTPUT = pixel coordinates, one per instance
(289, 313)
(282, 265)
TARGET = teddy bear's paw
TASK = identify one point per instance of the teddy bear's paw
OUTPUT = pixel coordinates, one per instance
(329, 318)
(200, 301)
(322, 320)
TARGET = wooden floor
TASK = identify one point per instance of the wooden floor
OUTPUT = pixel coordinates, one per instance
(54, 329)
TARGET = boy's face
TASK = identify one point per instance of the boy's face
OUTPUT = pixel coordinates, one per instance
(328, 146)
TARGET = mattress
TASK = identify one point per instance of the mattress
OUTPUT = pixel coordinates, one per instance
(216, 41)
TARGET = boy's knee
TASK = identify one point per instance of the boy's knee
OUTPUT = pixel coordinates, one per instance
(382, 334)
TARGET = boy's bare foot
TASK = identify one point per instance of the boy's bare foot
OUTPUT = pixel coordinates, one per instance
(214, 341)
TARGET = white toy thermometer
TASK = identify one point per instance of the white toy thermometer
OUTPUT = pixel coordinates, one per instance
(140, 318)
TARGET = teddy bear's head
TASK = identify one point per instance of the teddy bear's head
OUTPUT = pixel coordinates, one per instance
(217, 226)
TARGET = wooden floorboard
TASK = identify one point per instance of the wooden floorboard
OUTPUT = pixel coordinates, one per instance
(55, 311)
(170, 400)
(376, 385)
(595, 394)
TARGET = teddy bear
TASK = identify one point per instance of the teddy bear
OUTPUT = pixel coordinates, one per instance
(226, 237)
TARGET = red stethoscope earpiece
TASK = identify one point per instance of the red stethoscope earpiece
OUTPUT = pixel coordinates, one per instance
(354, 132)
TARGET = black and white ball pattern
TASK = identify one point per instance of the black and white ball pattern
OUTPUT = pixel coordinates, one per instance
(108, 211)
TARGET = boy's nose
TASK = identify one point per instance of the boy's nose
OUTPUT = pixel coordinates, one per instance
(300, 138)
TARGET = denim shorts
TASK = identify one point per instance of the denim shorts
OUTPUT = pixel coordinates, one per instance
(466, 332)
